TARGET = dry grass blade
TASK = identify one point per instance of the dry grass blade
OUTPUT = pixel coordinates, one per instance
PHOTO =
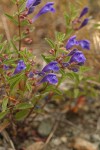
(4, 125)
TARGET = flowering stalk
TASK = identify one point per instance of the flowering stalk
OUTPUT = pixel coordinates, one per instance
(19, 25)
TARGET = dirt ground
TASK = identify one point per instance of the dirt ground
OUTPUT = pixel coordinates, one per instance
(56, 129)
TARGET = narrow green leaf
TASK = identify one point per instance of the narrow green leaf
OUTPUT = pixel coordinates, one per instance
(24, 106)
(76, 93)
(4, 104)
(21, 114)
(12, 19)
(3, 114)
(48, 59)
(50, 42)
(14, 46)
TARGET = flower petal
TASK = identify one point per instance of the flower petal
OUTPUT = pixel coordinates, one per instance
(84, 23)
(47, 8)
(20, 67)
(85, 44)
(51, 78)
(52, 66)
(71, 42)
(77, 57)
(84, 11)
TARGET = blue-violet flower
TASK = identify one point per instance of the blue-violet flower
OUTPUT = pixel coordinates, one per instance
(85, 44)
(20, 67)
(84, 11)
(78, 57)
(51, 78)
(84, 23)
(47, 8)
(52, 66)
(71, 42)
(30, 5)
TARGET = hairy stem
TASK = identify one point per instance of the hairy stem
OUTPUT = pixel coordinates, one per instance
(19, 24)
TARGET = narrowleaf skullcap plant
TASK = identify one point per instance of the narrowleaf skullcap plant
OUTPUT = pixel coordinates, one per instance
(19, 71)
(20, 67)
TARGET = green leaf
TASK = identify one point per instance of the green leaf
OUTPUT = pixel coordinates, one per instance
(24, 106)
(50, 42)
(29, 87)
(84, 69)
(76, 93)
(48, 59)
(53, 89)
(14, 80)
(12, 19)
(2, 46)
(4, 104)
(67, 18)
(21, 114)
(60, 36)
(3, 114)
(22, 7)
(1, 37)
(76, 77)
(14, 46)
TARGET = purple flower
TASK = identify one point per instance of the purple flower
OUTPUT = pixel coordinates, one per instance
(78, 57)
(85, 44)
(30, 10)
(84, 11)
(47, 8)
(52, 66)
(30, 5)
(20, 67)
(71, 42)
(72, 52)
(51, 78)
(5, 67)
(84, 23)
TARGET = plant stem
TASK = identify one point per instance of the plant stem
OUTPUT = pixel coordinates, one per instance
(19, 24)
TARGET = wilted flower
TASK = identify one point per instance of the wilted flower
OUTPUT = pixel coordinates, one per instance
(47, 8)
(84, 11)
(85, 44)
(75, 69)
(6, 67)
(50, 78)
(71, 42)
(31, 74)
(52, 66)
(20, 67)
(30, 5)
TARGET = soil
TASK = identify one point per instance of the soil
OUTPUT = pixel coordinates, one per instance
(65, 126)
